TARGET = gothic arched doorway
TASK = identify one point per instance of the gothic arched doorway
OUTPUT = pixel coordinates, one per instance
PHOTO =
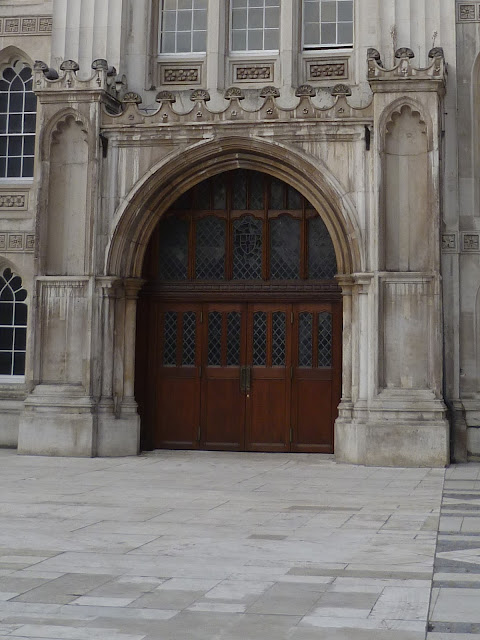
(239, 322)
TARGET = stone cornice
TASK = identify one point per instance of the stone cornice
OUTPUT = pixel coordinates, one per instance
(234, 111)
(404, 77)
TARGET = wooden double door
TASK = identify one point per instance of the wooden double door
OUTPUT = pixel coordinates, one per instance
(240, 376)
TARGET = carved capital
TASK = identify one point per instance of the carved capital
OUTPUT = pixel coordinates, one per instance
(234, 92)
(305, 90)
(270, 92)
(200, 95)
(341, 90)
(132, 98)
(69, 65)
(165, 96)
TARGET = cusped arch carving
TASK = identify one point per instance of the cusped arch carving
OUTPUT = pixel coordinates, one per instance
(12, 56)
(57, 125)
(400, 107)
(162, 185)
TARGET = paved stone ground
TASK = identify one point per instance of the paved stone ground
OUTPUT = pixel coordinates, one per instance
(225, 546)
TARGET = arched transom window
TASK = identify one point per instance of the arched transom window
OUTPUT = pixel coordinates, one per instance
(243, 225)
(13, 325)
(18, 106)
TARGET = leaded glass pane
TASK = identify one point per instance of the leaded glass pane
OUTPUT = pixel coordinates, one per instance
(184, 24)
(277, 189)
(294, 199)
(202, 196)
(210, 249)
(284, 248)
(256, 190)
(327, 23)
(239, 191)
(170, 339)
(219, 193)
(214, 339)
(234, 326)
(173, 254)
(13, 322)
(324, 339)
(189, 338)
(305, 324)
(322, 263)
(247, 248)
(278, 338)
(259, 339)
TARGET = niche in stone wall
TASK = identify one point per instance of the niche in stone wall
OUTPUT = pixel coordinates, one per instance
(408, 225)
(67, 199)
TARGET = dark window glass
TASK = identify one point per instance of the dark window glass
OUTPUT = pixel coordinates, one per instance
(247, 248)
(284, 248)
(305, 342)
(260, 339)
(170, 339)
(13, 321)
(210, 249)
(325, 339)
(189, 338)
(277, 190)
(18, 104)
(173, 257)
(214, 339)
(239, 195)
(278, 338)
(234, 326)
(256, 190)
(322, 263)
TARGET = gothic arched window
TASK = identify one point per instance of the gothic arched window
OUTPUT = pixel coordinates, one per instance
(13, 325)
(18, 114)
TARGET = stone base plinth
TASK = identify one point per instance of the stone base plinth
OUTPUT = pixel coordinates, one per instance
(396, 444)
(118, 436)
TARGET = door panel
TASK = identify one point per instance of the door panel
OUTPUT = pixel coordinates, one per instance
(316, 365)
(223, 401)
(268, 355)
(178, 376)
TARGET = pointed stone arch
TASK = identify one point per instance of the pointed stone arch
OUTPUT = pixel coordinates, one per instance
(154, 194)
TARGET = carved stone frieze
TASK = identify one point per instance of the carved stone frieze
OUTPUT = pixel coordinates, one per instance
(14, 242)
(326, 69)
(449, 243)
(13, 201)
(253, 72)
(26, 26)
(468, 12)
(188, 74)
(471, 242)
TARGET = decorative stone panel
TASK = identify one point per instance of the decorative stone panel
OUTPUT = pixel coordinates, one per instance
(470, 242)
(252, 72)
(326, 69)
(180, 74)
(26, 26)
(468, 12)
(14, 242)
(13, 201)
(449, 243)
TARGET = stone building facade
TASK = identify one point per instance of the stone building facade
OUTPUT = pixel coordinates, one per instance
(147, 302)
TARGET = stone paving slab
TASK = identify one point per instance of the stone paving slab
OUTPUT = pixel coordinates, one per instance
(226, 546)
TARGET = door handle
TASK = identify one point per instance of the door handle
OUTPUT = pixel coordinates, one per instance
(248, 379)
(243, 379)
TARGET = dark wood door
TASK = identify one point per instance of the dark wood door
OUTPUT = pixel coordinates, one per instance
(316, 375)
(268, 375)
(223, 356)
(241, 376)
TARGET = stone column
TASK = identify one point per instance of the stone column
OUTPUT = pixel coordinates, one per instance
(109, 293)
(132, 287)
(347, 285)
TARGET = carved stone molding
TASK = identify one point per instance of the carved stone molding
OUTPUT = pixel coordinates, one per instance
(468, 12)
(449, 242)
(180, 74)
(326, 69)
(252, 72)
(470, 242)
(26, 26)
(14, 242)
(13, 201)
